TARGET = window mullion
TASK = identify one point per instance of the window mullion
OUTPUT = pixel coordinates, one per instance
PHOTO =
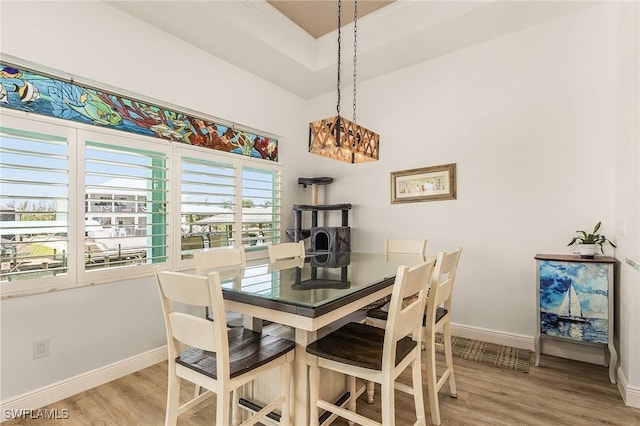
(238, 209)
(76, 207)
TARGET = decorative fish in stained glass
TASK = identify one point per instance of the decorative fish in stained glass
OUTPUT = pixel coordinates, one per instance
(27, 90)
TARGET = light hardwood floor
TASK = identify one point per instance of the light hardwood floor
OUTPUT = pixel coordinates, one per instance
(559, 392)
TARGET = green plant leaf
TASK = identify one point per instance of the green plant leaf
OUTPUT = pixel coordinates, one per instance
(593, 238)
(595, 230)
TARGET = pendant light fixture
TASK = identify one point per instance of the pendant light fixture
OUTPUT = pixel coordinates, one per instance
(336, 137)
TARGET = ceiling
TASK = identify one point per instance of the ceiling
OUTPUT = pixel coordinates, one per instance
(262, 38)
(318, 17)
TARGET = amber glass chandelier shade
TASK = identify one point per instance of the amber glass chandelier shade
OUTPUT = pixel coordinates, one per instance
(343, 140)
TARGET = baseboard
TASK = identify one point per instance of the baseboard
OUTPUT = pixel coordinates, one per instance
(630, 394)
(558, 348)
(65, 388)
(492, 336)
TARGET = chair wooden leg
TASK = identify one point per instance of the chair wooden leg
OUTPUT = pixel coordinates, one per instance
(432, 380)
(173, 400)
(448, 353)
(370, 391)
(235, 409)
(387, 404)
(418, 397)
(351, 387)
(223, 407)
(314, 394)
(285, 410)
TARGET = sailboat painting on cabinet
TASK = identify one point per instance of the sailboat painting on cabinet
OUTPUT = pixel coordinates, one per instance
(573, 300)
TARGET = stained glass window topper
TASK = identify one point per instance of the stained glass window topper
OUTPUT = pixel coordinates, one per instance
(27, 90)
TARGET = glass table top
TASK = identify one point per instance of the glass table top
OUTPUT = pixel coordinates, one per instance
(319, 280)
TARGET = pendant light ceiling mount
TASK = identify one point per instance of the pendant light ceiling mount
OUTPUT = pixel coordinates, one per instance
(336, 137)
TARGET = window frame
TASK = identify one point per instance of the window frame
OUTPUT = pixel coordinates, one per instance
(117, 139)
(239, 163)
(60, 280)
(277, 207)
(76, 275)
(185, 156)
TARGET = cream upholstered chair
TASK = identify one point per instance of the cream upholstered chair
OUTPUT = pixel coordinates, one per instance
(218, 359)
(376, 355)
(438, 320)
(208, 260)
(285, 250)
(405, 246)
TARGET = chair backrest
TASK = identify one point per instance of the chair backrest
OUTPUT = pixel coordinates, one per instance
(442, 279)
(406, 312)
(191, 330)
(278, 265)
(405, 246)
(211, 259)
(285, 250)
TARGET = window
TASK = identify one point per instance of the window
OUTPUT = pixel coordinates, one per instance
(82, 206)
(260, 207)
(34, 216)
(208, 210)
(125, 204)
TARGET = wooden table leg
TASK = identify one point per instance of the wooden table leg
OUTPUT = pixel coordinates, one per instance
(252, 323)
(300, 406)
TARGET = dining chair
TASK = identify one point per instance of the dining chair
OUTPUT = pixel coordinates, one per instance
(405, 246)
(216, 358)
(208, 260)
(294, 262)
(219, 258)
(392, 247)
(438, 320)
(286, 250)
(376, 355)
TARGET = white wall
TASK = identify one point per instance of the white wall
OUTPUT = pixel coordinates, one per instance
(95, 326)
(521, 116)
(627, 190)
(533, 121)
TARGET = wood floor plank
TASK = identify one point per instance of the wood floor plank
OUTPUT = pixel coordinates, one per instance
(559, 392)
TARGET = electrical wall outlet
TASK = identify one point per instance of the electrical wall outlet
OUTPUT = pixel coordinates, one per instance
(41, 348)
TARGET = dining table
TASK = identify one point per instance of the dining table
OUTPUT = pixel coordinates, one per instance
(308, 295)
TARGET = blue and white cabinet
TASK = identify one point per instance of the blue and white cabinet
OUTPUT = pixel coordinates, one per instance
(575, 303)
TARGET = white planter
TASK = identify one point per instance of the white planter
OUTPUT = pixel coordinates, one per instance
(587, 250)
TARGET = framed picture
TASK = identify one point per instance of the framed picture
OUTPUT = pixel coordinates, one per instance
(425, 184)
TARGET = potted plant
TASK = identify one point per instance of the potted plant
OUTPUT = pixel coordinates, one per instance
(587, 242)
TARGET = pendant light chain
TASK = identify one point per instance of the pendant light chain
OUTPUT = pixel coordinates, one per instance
(339, 51)
(337, 137)
(355, 56)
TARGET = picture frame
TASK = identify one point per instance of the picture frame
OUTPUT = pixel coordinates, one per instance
(433, 183)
